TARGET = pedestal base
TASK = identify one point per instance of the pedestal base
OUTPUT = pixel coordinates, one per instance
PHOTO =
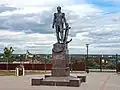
(61, 72)
(58, 81)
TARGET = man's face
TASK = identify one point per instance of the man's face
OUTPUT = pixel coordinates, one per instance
(58, 9)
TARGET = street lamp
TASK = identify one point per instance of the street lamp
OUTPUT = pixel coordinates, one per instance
(116, 62)
(87, 70)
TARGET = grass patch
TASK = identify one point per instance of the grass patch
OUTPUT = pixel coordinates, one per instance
(35, 72)
(7, 73)
(12, 73)
(30, 72)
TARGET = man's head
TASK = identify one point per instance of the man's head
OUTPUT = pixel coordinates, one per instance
(59, 9)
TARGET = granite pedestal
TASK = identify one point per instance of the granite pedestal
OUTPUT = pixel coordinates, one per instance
(60, 75)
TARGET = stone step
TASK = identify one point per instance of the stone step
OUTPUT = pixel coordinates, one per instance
(57, 81)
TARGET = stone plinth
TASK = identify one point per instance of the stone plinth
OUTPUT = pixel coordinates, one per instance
(60, 62)
(60, 70)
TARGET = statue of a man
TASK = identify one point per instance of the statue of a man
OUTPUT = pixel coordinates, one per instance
(59, 21)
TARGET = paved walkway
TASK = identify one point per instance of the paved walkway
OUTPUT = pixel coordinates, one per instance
(95, 81)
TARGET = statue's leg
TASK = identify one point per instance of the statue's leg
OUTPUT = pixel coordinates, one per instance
(61, 33)
(57, 34)
(62, 36)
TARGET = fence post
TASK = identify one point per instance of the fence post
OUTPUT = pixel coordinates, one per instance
(32, 62)
(45, 63)
(7, 63)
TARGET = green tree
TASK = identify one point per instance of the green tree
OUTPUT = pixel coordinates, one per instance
(8, 55)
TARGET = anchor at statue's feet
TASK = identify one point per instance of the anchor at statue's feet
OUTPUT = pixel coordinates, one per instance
(66, 34)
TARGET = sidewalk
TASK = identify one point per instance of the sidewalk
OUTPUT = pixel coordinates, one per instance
(95, 81)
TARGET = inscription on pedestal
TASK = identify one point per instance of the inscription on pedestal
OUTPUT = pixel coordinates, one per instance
(60, 57)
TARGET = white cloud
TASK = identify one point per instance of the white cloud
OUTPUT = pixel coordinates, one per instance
(27, 3)
(21, 41)
(9, 33)
(89, 25)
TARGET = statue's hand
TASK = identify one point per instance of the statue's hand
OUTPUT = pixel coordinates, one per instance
(52, 26)
(66, 24)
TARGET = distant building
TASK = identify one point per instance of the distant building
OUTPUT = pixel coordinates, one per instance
(27, 62)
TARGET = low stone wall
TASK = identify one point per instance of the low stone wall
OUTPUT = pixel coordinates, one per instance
(74, 67)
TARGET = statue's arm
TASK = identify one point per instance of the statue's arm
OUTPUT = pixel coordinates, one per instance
(54, 19)
(64, 18)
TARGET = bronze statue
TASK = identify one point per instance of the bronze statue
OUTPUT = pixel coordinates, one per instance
(59, 21)
(61, 26)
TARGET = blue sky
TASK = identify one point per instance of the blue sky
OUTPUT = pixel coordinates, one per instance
(102, 3)
(26, 25)
(107, 5)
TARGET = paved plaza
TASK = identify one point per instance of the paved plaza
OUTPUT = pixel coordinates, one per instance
(95, 81)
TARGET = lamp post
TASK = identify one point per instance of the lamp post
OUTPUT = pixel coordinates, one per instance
(116, 61)
(87, 70)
